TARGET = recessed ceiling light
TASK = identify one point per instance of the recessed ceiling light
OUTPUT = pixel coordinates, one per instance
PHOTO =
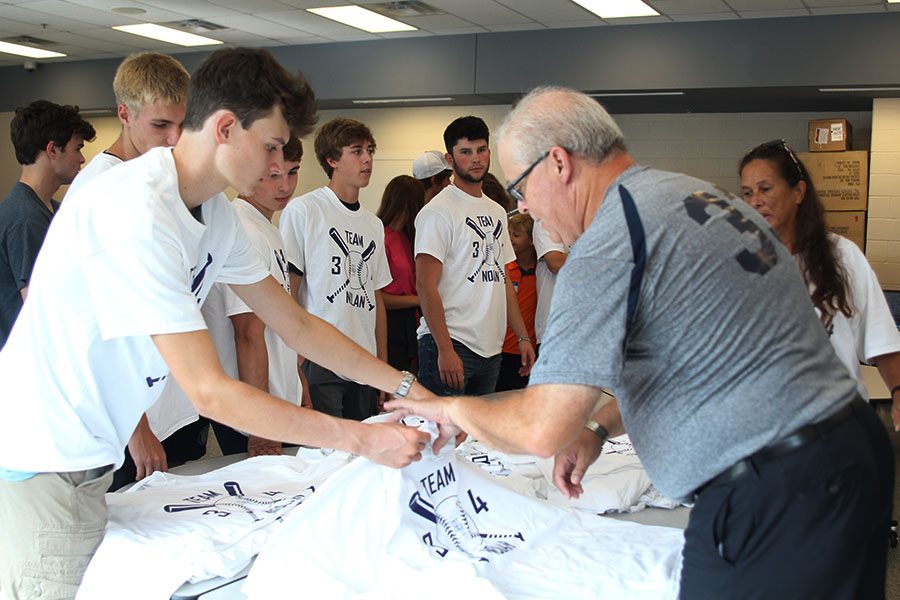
(403, 100)
(617, 9)
(167, 34)
(127, 10)
(361, 18)
(20, 50)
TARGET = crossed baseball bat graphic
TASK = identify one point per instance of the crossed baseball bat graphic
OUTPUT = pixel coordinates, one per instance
(488, 248)
(357, 268)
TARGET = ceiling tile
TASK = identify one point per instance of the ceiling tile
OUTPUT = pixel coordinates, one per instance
(57, 9)
(772, 14)
(543, 11)
(197, 9)
(719, 16)
(482, 12)
(260, 25)
(440, 23)
(745, 5)
(687, 7)
(842, 3)
(847, 10)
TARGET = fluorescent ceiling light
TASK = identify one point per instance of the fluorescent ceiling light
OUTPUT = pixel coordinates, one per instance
(616, 9)
(614, 94)
(361, 18)
(393, 100)
(862, 89)
(167, 34)
(28, 51)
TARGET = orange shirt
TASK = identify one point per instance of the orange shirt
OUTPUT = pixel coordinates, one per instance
(524, 283)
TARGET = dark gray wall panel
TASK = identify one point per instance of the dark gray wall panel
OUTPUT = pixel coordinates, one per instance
(813, 51)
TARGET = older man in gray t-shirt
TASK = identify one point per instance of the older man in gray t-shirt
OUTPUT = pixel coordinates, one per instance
(682, 300)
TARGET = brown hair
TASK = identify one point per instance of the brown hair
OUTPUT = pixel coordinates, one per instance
(522, 221)
(818, 260)
(404, 196)
(41, 122)
(293, 150)
(493, 189)
(250, 83)
(335, 135)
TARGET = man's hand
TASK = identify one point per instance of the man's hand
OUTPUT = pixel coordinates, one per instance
(393, 444)
(433, 409)
(528, 358)
(257, 446)
(571, 463)
(450, 367)
(146, 451)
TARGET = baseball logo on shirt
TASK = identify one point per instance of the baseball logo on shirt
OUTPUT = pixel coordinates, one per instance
(758, 255)
(217, 504)
(487, 247)
(354, 265)
(197, 276)
(455, 527)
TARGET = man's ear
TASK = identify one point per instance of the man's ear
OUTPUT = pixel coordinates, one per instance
(123, 114)
(224, 124)
(52, 149)
(331, 162)
(561, 162)
(449, 158)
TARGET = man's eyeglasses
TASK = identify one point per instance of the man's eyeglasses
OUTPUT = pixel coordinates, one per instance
(783, 145)
(513, 190)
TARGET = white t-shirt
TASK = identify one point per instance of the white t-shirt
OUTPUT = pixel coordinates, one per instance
(341, 255)
(224, 303)
(470, 237)
(546, 279)
(442, 519)
(871, 331)
(99, 164)
(173, 410)
(123, 260)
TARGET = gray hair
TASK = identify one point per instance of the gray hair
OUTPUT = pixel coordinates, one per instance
(556, 116)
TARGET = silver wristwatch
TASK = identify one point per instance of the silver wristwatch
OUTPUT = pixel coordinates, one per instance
(405, 385)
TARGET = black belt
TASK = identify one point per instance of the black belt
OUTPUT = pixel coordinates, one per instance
(784, 446)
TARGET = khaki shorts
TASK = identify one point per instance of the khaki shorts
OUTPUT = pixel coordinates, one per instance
(52, 523)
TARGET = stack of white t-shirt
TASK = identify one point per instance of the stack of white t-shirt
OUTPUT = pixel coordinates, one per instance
(193, 528)
(443, 528)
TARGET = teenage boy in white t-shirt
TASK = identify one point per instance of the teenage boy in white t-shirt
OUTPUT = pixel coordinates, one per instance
(336, 248)
(247, 348)
(151, 98)
(114, 308)
(462, 249)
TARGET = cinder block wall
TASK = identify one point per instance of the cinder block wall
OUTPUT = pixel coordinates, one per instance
(883, 230)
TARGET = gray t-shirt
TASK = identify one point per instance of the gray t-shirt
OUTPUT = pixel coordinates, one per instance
(680, 298)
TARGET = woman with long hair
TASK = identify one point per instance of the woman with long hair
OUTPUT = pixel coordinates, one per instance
(403, 197)
(843, 288)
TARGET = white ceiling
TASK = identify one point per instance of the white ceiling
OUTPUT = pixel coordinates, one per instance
(81, 28)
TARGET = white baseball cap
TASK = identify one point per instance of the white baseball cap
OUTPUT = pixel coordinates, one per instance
(429, 164)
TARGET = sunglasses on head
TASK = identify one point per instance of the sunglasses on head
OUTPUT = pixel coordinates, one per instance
(782, 145)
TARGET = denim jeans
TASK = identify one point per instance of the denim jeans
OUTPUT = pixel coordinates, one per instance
(480, 372)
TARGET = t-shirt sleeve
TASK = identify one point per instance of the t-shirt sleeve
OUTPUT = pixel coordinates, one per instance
(382, 276)
(138, 285)
(874, 329)
(587, 319)
(243, 265)
(433, 235)
(23, 243)
(293, 230)
(543, 243)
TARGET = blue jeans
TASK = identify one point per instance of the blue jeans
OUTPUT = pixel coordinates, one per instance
(480, 373)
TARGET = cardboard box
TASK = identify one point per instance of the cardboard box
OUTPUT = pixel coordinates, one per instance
(849, 224)
(830, 135)
(841, 178)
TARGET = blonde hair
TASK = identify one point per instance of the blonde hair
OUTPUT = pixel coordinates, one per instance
(146, 77)
(522, 221)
